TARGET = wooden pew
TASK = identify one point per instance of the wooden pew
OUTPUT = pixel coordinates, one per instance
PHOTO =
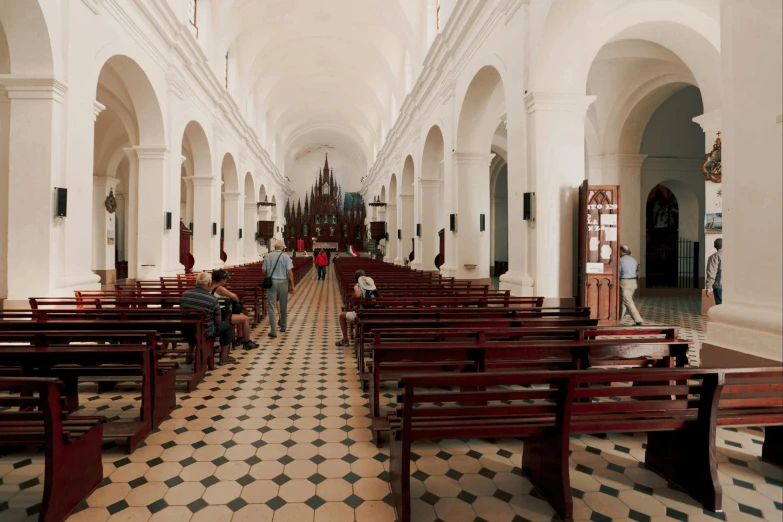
(162, 375)
(73, 466)
(678, 408)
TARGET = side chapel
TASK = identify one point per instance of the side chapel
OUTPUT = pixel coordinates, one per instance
(328, 218)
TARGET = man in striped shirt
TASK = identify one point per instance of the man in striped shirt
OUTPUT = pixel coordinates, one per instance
(199, 298)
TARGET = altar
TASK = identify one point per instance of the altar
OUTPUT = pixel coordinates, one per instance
(328, 220)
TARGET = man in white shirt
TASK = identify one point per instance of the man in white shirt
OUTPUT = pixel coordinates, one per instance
(714, 273)
(280, 268)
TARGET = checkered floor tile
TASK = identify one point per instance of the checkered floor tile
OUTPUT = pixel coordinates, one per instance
(283, 436)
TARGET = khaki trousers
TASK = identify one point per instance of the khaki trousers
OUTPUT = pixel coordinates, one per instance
(278, 292)
(627, 288)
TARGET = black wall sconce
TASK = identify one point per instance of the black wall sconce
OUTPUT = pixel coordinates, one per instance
(482, 222)
(386, 236)
(399, 233)
(418, 229)
(452, 222)
(222, 233)
(214, 229)
(62, 202)
(168, 221)
(240, 233)
(528, 200)
(191, 228)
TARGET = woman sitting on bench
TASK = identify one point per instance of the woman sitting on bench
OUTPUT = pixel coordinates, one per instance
(363, 289)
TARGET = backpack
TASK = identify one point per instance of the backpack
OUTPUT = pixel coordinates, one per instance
(372, 295)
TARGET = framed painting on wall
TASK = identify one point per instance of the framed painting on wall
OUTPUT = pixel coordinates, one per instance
(713, 223)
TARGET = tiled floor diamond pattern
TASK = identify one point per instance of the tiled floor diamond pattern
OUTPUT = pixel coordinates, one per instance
(283, 436)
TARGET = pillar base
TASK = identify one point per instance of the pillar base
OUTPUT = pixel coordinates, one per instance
(520, 283)
(416, 265)
(108, 277)
(750, 329)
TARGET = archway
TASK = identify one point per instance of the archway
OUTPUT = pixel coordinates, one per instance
(392, 255)
(483, 111)
(406, 206)
(498, 193)
(200, 183)
(662, 236)
(229, 212)
(126, 190)
(431, 199)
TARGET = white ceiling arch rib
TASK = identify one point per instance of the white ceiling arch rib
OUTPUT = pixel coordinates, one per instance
(321, 74)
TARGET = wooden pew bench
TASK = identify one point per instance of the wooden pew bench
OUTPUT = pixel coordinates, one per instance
(73, 466)
(679, 409)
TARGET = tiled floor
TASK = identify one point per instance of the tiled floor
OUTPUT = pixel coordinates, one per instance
(283, 436)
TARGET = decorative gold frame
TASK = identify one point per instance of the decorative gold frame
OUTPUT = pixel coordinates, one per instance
(711, 168)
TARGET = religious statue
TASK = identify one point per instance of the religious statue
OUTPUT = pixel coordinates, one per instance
(305, 229)
(317, 219)
(318, 231)
(711, 168)
(331, 231)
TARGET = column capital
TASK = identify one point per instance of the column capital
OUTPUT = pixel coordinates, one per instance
(97, 108)
(250, 206)
(710, 123)
(406, 197)
(472, 158)
(147, 153)
(430, 183)
(105, 181)
(557, 101)
(231, 196)
(624, 160)
(34, 88)
(201, 181)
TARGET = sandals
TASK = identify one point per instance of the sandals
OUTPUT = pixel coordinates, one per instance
(343, 342)
(227, 360)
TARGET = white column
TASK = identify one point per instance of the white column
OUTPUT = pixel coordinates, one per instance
(556, 144)
(202, 222)
(429, 208)
(34, 168)
(750, 320)
(391, 228)
(407, 227)
(231, 227)
(432, 21)
(5, 127)
(145, 199)
(625, 170)
(517, 279)
(103, 229)
(472, 245)
(249, 233)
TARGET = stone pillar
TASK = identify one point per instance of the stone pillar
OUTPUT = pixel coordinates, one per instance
(407, 227)
(749, 323)
(472, 245)
(34, 168)
(104, 239)
(556, 145)
(382, 217)
(391, 227)
(517, 279)
(202, 222)
(231, 227)
(429, 208)
(249, 233)
(145, 200)
(625, 170)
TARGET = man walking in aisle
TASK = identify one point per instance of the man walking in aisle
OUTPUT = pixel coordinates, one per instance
(629, 273)
(279, 267)
(321, 262)
(714, 273)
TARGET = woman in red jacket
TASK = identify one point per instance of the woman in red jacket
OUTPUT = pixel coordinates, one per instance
(321, 262)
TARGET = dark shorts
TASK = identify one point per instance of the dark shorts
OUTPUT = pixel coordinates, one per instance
(224, 333)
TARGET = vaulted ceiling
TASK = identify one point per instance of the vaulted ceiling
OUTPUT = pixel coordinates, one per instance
(322, 73)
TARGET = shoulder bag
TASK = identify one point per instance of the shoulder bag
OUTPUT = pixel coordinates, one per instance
(268, 279)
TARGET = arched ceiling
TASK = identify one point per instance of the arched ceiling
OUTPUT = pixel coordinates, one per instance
(321, 74)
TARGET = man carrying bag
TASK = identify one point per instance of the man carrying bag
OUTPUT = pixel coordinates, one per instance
(279, 283)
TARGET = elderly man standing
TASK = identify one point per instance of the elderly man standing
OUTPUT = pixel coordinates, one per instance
(279, 267)
(629, 273)
(715, 273)
(200, 299)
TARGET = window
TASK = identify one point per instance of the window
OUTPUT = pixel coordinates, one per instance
(192, 13)
(226, 69)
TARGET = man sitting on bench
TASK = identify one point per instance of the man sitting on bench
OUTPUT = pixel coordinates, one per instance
(363, 289)
(199, 298)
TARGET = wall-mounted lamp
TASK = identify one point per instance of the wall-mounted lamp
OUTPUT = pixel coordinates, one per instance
(482, 222)
(222, 233)
(214, 229)
(399, 233)
(61, 206)
(452, 222)
(191, 228)
(528, 206)
(418, 229)
(168, 221)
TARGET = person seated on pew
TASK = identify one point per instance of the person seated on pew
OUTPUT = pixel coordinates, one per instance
(199, 298)
(363, 289)
(241, 320)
